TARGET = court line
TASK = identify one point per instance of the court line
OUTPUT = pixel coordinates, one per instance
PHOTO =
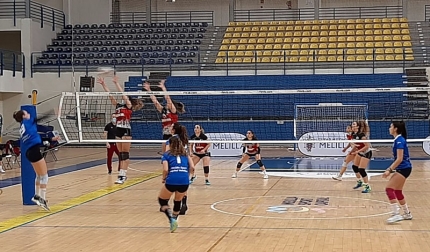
(71, 203)
(247, 212)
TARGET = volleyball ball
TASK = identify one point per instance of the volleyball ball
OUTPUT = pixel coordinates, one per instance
(105, 71)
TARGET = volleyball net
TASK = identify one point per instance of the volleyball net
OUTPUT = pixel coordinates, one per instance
(310, 122)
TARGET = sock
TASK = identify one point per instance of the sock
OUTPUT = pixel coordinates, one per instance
(264, 171)
(184, 201)
(168, 213)
(395, 208)
(405, 208)
(37, 190)
(42, 193)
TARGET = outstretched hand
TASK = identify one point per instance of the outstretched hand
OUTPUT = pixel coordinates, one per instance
(146, 86)
(101, 81)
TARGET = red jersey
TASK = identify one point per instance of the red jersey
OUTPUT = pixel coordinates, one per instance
(359, 136)
(123, 116)
(349, 136)
(168, 118)
(199, 146)
(251, 148)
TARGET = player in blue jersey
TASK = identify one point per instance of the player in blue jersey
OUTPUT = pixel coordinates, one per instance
(32, 141)
(401, 169)
(177, 166)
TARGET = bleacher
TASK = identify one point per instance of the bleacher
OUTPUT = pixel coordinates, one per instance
(125, 44)
(385, 39)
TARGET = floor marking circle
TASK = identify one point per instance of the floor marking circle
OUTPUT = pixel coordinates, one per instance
(213, 207)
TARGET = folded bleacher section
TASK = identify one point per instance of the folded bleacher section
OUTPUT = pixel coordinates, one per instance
(125, 44)
(385, 39)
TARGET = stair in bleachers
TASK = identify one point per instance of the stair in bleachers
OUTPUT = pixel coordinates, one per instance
(420, 38)
(417, 104)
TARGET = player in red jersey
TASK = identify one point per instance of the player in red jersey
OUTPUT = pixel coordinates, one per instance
(251, 150)
(349, 157)
(169, 113)
(200, 151)
(122, 114)
(363, 155)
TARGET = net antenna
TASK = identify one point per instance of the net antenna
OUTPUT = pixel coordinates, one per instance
(325, 121)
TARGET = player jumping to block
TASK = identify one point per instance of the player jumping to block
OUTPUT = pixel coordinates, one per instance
(122, 114)
(251, 150)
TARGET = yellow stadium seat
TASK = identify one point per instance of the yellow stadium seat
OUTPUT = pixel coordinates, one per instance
(234, 41)
(293, 59)
(408, 50)
(340, 58)
(287, 40)
(304, 52)
(322, 52)
(332, 27)
(280, 34)
(315, 34)
(304, 46)
(388, 44)
(299, 22)
(290, 28)
(398, 44)
(376, 20)
(350, 33)
(395, 26)
(379, 44)
(369, 44)
(248, 23)
(229, 60)
(377, 32)
(350, 39)
(264, 29)
(404, 25)
(380, 57)
(219, 60)
(259, 53)
(303, 59)
(305, 40)
(369, 57)
(267, 53)
(389, 51)
(340, 52)
(322, 46)
(324, 33)
(296, 40)
(277, 46)
(350, 51)
(397, 37)
(331, 58)
(261, 41)
(271, 34)
(399, 57)
(236, 35)
(277, 53)
(262, 35)
(332, 33)
(224, 47)
(386, 20)
(360, 45)
(396, 32)
(360, 58)
(389, 57)
(283, 59)
(341, 45)
(350, 45)
(350, 58)
(241, 47)
(313, 46)
(378, 38)
(377, 26)
(314, 40)
(243, 41)
(360, 51)
(368, 20)
(306, 34)
(369, 51)
(368, 38)
(341, 27)
(368, 32)
(272, 28)
(298, 27)
(386, 32)
(286, 46)
(332, 39)
(405, 31)
(359, 38)
(258, 60)
(341, 33)
(359, 27)
(274, 60)
(226, 41)
(331, 45)
(253, 35)
(250, 47)
(379, 51)
(398, 51)
(386, 26)
(279, 40)
(332, 52)
(249, 53)
(265, 60)
(259, 47)
(306, 28)
(268, 47)
(315, 28)
(409, 57)
(368, 26)
(324, 27)
(281, 28)
(222, 54)
(255, 29)
(245, 35)
(288, 34)
(229, 29)
(359, 21)
(231, 53)
(247, 60)
(294, 52)
(237, 60)
(238, 29)
(295, 46)
(228, 35)
(406, 37)
(394, 20)
(270, 41)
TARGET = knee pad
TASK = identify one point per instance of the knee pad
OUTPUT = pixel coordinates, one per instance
(37, 180)
(206, 169)
(355, 169)
(163, 202)
(362, 172)
(239, 164)
(344, 164)
(260, 163)
(177, 206)
(390, 193)
(44, 179)
(124, 156)
(399, 194)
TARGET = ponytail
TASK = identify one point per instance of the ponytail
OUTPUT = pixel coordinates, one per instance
(183, 135)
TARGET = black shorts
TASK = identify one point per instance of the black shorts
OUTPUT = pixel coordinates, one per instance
(177, 188)
(166, 137)
(122, 132)
(202, 155)
(405, 172)
(33, 154)
(252, 154)
(367, 155)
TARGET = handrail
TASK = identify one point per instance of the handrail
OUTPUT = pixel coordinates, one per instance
(13, 9)
(324, 13)
(84, 61)
(12, 61)
(427, 13)
(164, 17)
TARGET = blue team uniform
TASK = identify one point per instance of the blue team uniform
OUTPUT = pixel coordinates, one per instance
(178, 169)
(400, 143)
(29, 135)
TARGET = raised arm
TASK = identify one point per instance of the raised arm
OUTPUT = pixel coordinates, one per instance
(120, 89)
(153, 98)
(101, 81)
(170, 104)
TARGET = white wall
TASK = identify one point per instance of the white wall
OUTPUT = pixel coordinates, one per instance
(10, 84)
(57, 4)
(88, 11)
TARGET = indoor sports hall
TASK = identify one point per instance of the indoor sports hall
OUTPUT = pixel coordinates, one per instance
(104, 103)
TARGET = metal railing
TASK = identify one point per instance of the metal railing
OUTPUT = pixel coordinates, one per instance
(128, 17)
(164, 17)
(12, 61)
(324, 13)
(427, 13)
(14, 9)
(205, 61)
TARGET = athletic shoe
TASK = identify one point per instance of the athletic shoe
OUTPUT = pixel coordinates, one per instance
(359, 184)
(367, 189)
(407, 216)
(173, 225)
(192, 179)
(121, 180)
(183, 210)
(395, 218)
(338, 177)
(207, 182)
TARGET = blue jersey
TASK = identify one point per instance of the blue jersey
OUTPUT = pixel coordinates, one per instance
(178, 173)
(29, 135)
(400, 143)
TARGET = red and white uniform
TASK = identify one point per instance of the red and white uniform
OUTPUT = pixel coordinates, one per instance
(251, 148)
(167, 120)
(349, 136)
(199, 146)
(123, 116)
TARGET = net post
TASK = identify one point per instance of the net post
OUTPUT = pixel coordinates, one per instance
(78, 114)
(28, 174)
(66, 137)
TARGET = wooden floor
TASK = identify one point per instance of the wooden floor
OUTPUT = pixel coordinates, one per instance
(90, 213)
